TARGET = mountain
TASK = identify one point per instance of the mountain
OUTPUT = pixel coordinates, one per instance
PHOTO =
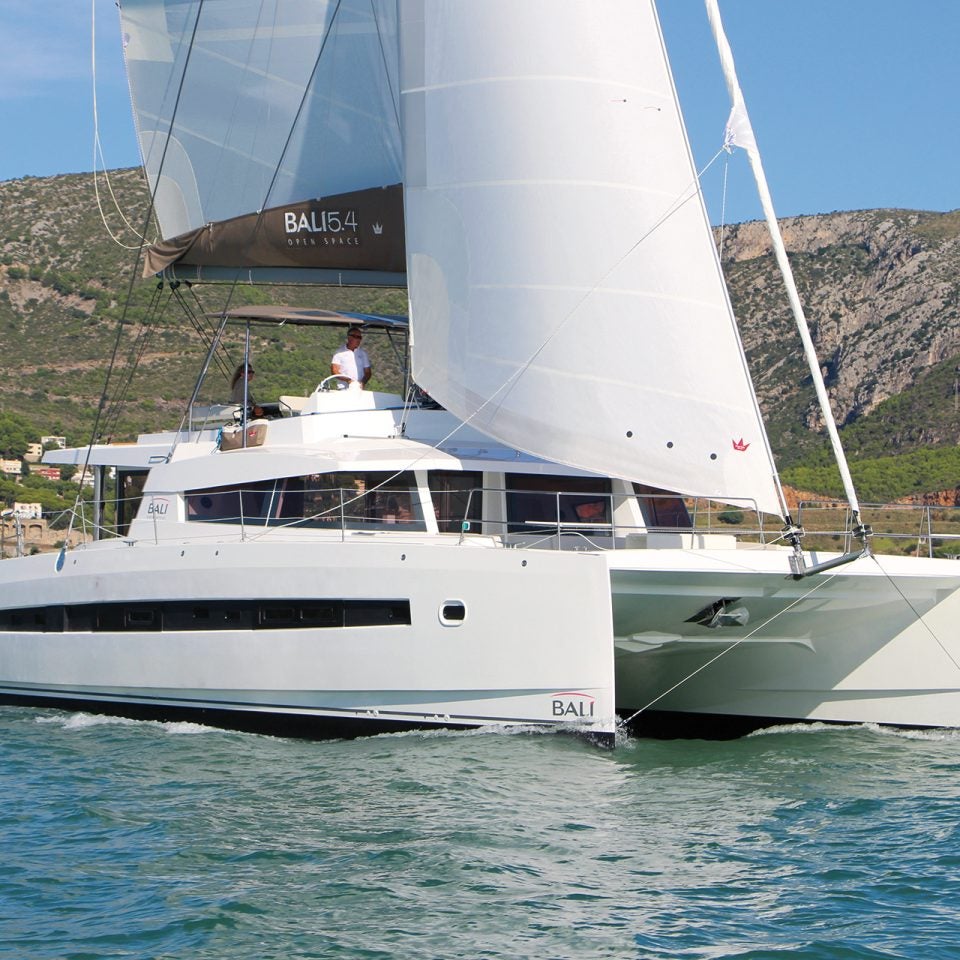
(881, 289)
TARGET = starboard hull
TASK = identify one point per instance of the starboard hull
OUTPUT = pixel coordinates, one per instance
(875, 641)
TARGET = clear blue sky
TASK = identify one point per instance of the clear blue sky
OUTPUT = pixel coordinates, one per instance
(854, 102)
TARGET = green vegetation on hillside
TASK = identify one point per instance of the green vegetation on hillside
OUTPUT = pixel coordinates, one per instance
(884, 479)
(881, 289)
(65, 286)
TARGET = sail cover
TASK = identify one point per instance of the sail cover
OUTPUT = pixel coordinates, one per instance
(566, 294)
(269, 130)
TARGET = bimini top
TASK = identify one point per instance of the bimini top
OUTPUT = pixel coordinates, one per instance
(308, 317)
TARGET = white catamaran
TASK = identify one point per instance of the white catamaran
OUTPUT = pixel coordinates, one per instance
(520, 550)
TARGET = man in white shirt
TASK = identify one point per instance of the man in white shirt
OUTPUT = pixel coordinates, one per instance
(351, 363)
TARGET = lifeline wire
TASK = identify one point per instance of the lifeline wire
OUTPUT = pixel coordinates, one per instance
(276, 173)
(129, 298)
(137, 350)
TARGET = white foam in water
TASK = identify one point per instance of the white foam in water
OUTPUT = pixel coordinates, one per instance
(500, 731)
(83, 721)
(802, 727)
(932, 733)
(928, 733)
(184, 726)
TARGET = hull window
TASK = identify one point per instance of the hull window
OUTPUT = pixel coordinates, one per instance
(176, 615)
(453, 613)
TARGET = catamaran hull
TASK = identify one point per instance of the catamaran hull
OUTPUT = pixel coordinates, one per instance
(875, 641)
(427, 635)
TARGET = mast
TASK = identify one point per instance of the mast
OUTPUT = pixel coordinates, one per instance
(740, 133)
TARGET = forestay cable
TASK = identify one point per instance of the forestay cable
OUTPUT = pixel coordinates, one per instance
(723, 653)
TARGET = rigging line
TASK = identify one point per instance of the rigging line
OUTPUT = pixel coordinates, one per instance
(210, 339)
(723, 653)
(152, 205)
(276, 171)
(915, 611)
(222, 359)
(386, 68)
(682, 198)
(134, 357)
(137, 350)
(198, 313)
(296, 117)
(129, 365)
(116, 202)
(98, 148)
(133, 277)
(723, 208)
(740, 132)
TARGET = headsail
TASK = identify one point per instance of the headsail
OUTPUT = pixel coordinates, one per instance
(270, 131)
(566, 294)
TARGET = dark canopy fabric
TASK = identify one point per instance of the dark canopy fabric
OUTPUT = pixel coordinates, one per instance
(362, 230)
(306, 316)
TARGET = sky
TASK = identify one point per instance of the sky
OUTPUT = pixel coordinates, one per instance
(854, 102)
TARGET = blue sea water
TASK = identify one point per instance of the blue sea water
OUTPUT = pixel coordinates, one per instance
(122, 839)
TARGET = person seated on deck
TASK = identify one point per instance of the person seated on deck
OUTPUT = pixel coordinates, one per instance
(593, 511)
(351, 363)
(397, 511)
(238, 388)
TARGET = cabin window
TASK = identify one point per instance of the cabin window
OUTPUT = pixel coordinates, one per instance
(356, 501)
(239, 504)
(535, 502)
(457, 496)
(661, 508)
(129, 494)
(385, 501)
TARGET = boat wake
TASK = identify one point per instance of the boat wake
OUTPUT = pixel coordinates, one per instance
(511, 730)
(84, 721)
(937, 734)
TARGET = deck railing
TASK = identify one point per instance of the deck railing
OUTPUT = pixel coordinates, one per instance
(552, 520)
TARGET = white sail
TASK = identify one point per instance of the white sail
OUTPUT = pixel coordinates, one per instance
(244, 106)
(566, 295)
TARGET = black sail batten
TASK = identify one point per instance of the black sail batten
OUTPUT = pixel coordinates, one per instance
(360, 231)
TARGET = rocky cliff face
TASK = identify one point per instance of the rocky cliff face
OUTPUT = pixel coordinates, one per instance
(881, 289)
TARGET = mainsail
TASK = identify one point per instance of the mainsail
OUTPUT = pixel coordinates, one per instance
(566, 294)
(270, 133)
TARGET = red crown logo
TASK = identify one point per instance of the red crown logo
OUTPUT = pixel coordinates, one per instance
(740, 445)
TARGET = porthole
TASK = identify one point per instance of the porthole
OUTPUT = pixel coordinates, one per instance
(453, 612)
